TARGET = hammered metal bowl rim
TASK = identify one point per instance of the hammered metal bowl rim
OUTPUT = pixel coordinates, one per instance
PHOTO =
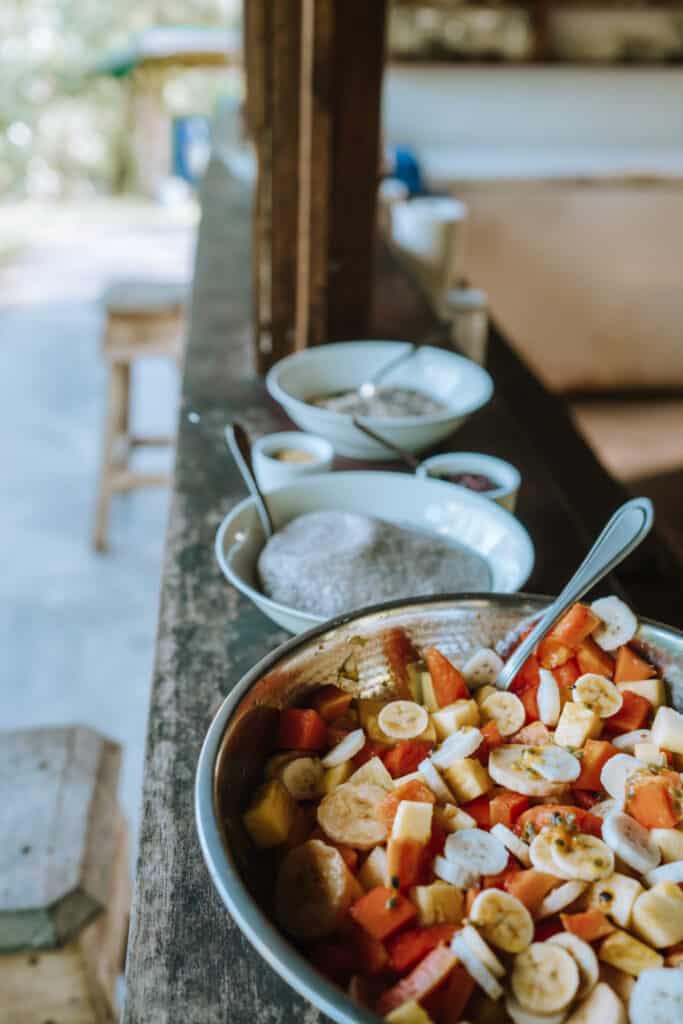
(257, 927)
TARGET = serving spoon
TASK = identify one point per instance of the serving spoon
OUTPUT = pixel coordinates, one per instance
(370, 387)
(627, 528)
(402, 453)
(240, 446)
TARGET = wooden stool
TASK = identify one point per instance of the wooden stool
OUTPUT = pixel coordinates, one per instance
(143, 318)
(65, 894)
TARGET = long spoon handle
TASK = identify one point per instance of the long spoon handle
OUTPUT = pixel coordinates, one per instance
(629, 525)
(240, 446)
(404, 455)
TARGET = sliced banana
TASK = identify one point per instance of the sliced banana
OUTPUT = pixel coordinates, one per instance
(503, 919)
(657, 997)
(541, 854)
(627, 740)
(583, 857)
(616, 897)
(462, 743)
(544, 978)
(477, 851)
(481, 949)
(598, 693)
(671, 872)
(344, 751)
(314, 890)
(602, 1006)
(510, 767)
(618, 624)
(548, 697)
(303, 777)
(605, 807)
(561, 898)
(373, 772)
(482, 669)
(506, 710)
(453, 872)
(615, 774)
(630, 841)
(670, 843)
(516, 846)
(477, 970)
(554, 763)
(403, 719)
(586, 960)
(430, 775)
(519, 1015)
(347, 815)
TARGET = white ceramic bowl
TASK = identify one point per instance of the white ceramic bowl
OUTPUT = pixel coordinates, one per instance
(396, 497)
(459, 383)
(498, 470)
(272, 473)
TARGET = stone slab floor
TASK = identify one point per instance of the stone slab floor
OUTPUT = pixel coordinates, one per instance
(76, 628)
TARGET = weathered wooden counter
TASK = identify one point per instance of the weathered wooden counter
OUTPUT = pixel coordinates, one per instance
(188, 964)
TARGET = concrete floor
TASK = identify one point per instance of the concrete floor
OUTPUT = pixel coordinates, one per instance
(77, 629)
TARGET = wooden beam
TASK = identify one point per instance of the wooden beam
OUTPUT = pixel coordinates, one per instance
(315, 168)
(358, 64)
(258, 63)
(286, 57)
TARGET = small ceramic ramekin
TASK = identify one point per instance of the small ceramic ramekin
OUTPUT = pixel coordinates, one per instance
(497, 470)
(272, 472)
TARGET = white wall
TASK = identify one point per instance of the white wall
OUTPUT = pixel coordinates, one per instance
(585, 276)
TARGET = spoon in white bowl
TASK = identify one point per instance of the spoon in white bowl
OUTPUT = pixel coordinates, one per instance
(240, 446)
(627, 528)
(370, 387)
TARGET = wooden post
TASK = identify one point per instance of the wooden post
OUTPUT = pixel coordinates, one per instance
(314, 74)
(358, 68)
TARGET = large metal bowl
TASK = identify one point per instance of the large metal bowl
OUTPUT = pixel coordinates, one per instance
(242, 735)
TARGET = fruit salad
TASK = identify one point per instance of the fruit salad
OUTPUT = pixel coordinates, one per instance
(457, 852)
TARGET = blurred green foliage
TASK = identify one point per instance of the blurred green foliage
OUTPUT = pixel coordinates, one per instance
(62, 130)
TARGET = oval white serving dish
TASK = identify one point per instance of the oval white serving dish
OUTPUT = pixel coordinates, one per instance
(399, 498)
(459, 383)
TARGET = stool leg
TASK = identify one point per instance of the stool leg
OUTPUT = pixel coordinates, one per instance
(122, 414)
(118, 394)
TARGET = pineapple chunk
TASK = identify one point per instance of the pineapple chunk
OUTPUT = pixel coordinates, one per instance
(451, 818)
(628, 954)
(667, 730)
(653, 690)
(414, 671)
(429, 735)
(650, 754)
(409, 1013)
(615, 896)
(427, 689)
(410, 777)
(454, 716)
(438, 903)
(468, 779)
(413, 821)
(336, 776)
(372, 771)
(271, 815)
(670, 843)
(375, 870)
(483, 692)
(576, 725)
(658, 915)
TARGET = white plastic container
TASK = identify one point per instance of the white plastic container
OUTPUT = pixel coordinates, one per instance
(272, 472)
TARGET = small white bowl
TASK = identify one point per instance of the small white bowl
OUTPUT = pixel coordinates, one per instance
(399, 498)
(459, 383)
(503, 473)
(271, 472)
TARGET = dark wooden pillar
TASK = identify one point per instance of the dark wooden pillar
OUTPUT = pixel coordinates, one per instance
(314, 76)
